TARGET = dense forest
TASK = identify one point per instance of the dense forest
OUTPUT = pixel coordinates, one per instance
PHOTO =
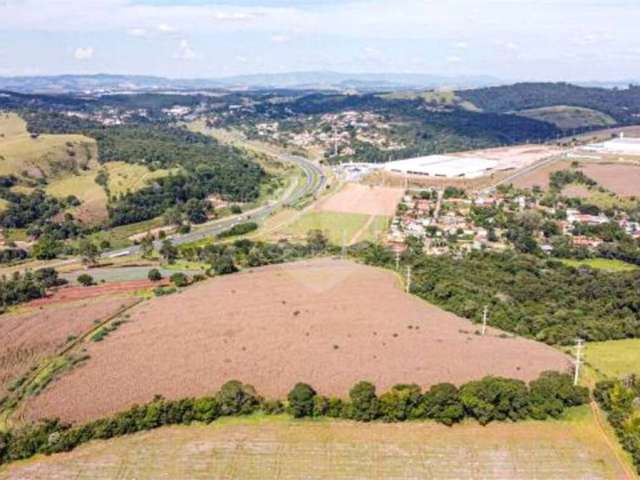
(526, 295)
(622, 105)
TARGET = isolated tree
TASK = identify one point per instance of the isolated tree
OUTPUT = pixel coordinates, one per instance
(146, 245)
(317, 241)
(88, 251)
(168, 251)
(46, 248)
(154, 275)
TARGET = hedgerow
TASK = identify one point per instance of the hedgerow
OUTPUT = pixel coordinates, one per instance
(486, 400)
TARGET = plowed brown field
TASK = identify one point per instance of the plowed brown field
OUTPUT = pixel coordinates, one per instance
(26, 338)
(621, 179)
(326, 322)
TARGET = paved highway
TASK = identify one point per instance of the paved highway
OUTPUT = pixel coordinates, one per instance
(314, 182)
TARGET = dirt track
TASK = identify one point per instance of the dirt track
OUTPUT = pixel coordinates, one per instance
(327, 322)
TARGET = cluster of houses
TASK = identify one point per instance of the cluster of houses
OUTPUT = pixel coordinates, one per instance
(445, 224)
(333, 133)
(442, 224)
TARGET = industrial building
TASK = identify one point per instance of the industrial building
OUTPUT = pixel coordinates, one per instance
(617, 146)
(443, 166)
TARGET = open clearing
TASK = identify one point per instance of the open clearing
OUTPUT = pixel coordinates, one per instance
(279, 448)
(363, 199)
(327, 322)
(610, 265)
(338, 227)
(28, 337)
(614, 358)
(569, 117)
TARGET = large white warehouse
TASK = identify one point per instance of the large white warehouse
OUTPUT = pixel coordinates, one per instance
(443, 166)
(618, 146)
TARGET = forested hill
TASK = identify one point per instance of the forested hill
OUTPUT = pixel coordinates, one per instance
(622, 105)
(204, 166)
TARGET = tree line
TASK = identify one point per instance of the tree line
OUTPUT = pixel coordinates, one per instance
(620, 400)
(486, 400)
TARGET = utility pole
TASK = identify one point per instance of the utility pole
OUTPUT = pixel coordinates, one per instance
(408, 278)
(484, 319)
(397, 261)
(578, 362)
(344, 244)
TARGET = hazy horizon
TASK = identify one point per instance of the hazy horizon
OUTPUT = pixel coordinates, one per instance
(510, 40)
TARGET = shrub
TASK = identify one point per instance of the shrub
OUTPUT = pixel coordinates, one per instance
(272, 407)
(179, 279)
(162, 291)
(154, 275)
(301, 400)
(364, 402)
(85, 279)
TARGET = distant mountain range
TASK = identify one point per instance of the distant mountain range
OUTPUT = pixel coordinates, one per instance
(294, 80)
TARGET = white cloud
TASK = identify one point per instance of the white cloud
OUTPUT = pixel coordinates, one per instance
(185, 52)
(165, 28)
(462, 45)
(137, 32)
(453, 59)
(511, 46)
(280, 39)
(83, 53)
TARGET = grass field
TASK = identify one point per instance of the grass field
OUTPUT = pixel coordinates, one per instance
(280, 448)
(50, 156)
(127, 177)
(351, 227)
(602, 264)
(614, 358)
(568, 117)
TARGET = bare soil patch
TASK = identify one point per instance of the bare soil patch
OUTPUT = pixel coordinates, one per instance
(621, 179)
(73, 293)
(26, 338)
(327, 322)
(363, 199)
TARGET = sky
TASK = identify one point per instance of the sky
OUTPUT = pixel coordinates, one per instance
(570, 40)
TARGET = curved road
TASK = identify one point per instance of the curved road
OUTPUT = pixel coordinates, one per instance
(315, 180)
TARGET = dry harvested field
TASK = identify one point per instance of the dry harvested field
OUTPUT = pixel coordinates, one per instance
(540, 176)
(363, 199)
(250, 449)
(327, 322)
(623, 180)
(72, 293)
(28, 337)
